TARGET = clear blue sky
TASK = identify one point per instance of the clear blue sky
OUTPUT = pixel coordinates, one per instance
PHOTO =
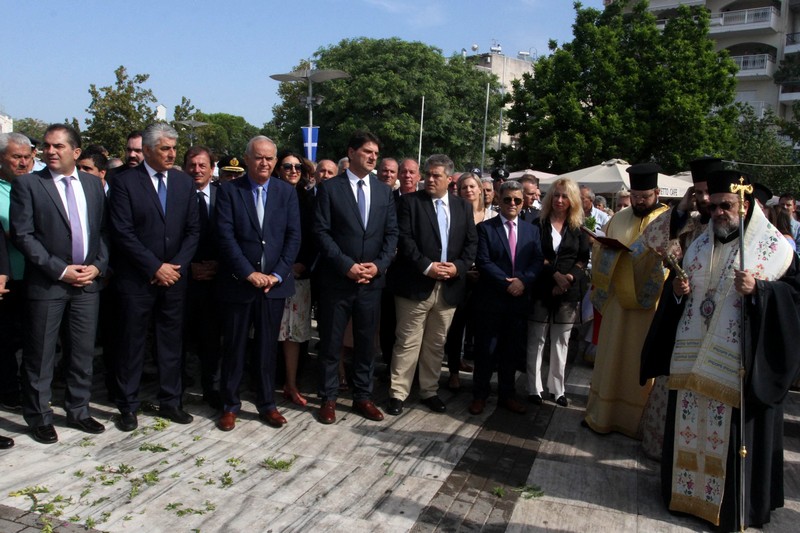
(220, 54)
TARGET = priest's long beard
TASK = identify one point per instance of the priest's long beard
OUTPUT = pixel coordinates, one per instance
(726, 227)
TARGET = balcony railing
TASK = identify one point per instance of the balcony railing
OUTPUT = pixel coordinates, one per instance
(758, 15)
(753, 62)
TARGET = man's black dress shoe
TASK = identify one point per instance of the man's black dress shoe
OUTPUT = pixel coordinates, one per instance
(562, 401)
(6, 443)
(89, 425)
(435, 404)
(127, 421)
(535, 399)
(395, 407)
(45, 434)
(213, 399)
(175, 414)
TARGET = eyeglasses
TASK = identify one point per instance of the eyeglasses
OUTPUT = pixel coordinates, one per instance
(508, 200)
(289, 166)
(636, 197)
(725, 206)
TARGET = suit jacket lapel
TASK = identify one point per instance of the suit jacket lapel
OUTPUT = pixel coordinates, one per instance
(430, 211)
(49, 185)
(501, 232)
(149, 190)
(347, 191)
(248, 201)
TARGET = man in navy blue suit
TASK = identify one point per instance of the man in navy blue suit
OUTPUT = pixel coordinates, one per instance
(509, 259)
(155, 231)
(356, 228)
(258, 227)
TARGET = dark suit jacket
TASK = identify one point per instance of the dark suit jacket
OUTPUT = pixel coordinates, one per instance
(242, 242)
(494, 265)
(419, 245)
(143, 237)
(207, 244)
(571, 258)
(343, 241)
(5, 267)
(40, 229)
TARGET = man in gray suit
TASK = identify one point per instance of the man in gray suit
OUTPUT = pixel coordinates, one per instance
(57, 222)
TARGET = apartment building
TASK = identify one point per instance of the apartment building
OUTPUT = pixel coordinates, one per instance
(758, 34)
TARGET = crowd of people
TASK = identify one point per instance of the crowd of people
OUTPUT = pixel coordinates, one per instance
(433, 264)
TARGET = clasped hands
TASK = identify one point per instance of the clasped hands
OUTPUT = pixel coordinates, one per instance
(442, 271)
(167, 275)
(263, 281)
(362, 273)
(80, 275)
(563, 283)
(743, 281)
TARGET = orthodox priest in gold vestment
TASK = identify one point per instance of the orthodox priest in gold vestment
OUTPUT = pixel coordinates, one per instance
(627, 285)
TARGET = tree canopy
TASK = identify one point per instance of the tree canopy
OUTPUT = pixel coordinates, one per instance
(624, 88)
(388, 78)
(116, 110)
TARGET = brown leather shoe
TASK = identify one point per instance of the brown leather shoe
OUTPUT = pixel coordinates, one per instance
(368, 410)
(477, 407)
(273, 418)
(227, 421)
(513, 405)
(327, 413)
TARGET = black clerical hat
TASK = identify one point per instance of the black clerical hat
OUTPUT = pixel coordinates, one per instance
(762, 193)
(702, 167)
(721, 180)
(644, 176)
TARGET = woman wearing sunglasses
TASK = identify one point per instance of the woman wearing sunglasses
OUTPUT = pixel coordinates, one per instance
(296, 321)
(558, 289)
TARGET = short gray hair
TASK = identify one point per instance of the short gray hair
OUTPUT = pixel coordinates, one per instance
(439, 160)
(511, 185)
(258, 139)
(591, 192)
(157, 131)
(13, 138)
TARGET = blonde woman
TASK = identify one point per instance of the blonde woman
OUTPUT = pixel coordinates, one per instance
(558, 289)
(470, 189)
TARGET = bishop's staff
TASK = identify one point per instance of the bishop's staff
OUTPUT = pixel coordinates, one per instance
(741, 189)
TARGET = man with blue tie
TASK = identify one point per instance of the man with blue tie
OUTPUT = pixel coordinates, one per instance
(436, 248)
(356, 228)
(258, 227)
(155, 231)
(58, 223)
(509, 259)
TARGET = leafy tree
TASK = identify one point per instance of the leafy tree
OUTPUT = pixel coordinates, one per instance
(116, 110)
(623, 88)
(388, 78)
(760, 150)
(32, 127)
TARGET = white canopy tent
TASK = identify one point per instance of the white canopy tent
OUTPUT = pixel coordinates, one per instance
(610, 176)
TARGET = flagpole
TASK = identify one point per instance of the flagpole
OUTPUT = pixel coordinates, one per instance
(421, 121)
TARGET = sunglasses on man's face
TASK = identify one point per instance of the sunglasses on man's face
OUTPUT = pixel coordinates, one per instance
(725, 206)
(289, 166)
(508, 200)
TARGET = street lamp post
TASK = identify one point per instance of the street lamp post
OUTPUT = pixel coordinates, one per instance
(311, 76)
(191, 123)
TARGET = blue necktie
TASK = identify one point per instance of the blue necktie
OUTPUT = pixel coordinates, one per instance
(441, 217)
(162, 192)
(362, 203)
(260, 215)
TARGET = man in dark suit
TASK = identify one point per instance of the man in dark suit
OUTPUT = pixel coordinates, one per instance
(202, 331)
(155, 231)
(356, 228)
(5, 271)
(58, 223)
(509, 259)
(436, 247)
(258, 224)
